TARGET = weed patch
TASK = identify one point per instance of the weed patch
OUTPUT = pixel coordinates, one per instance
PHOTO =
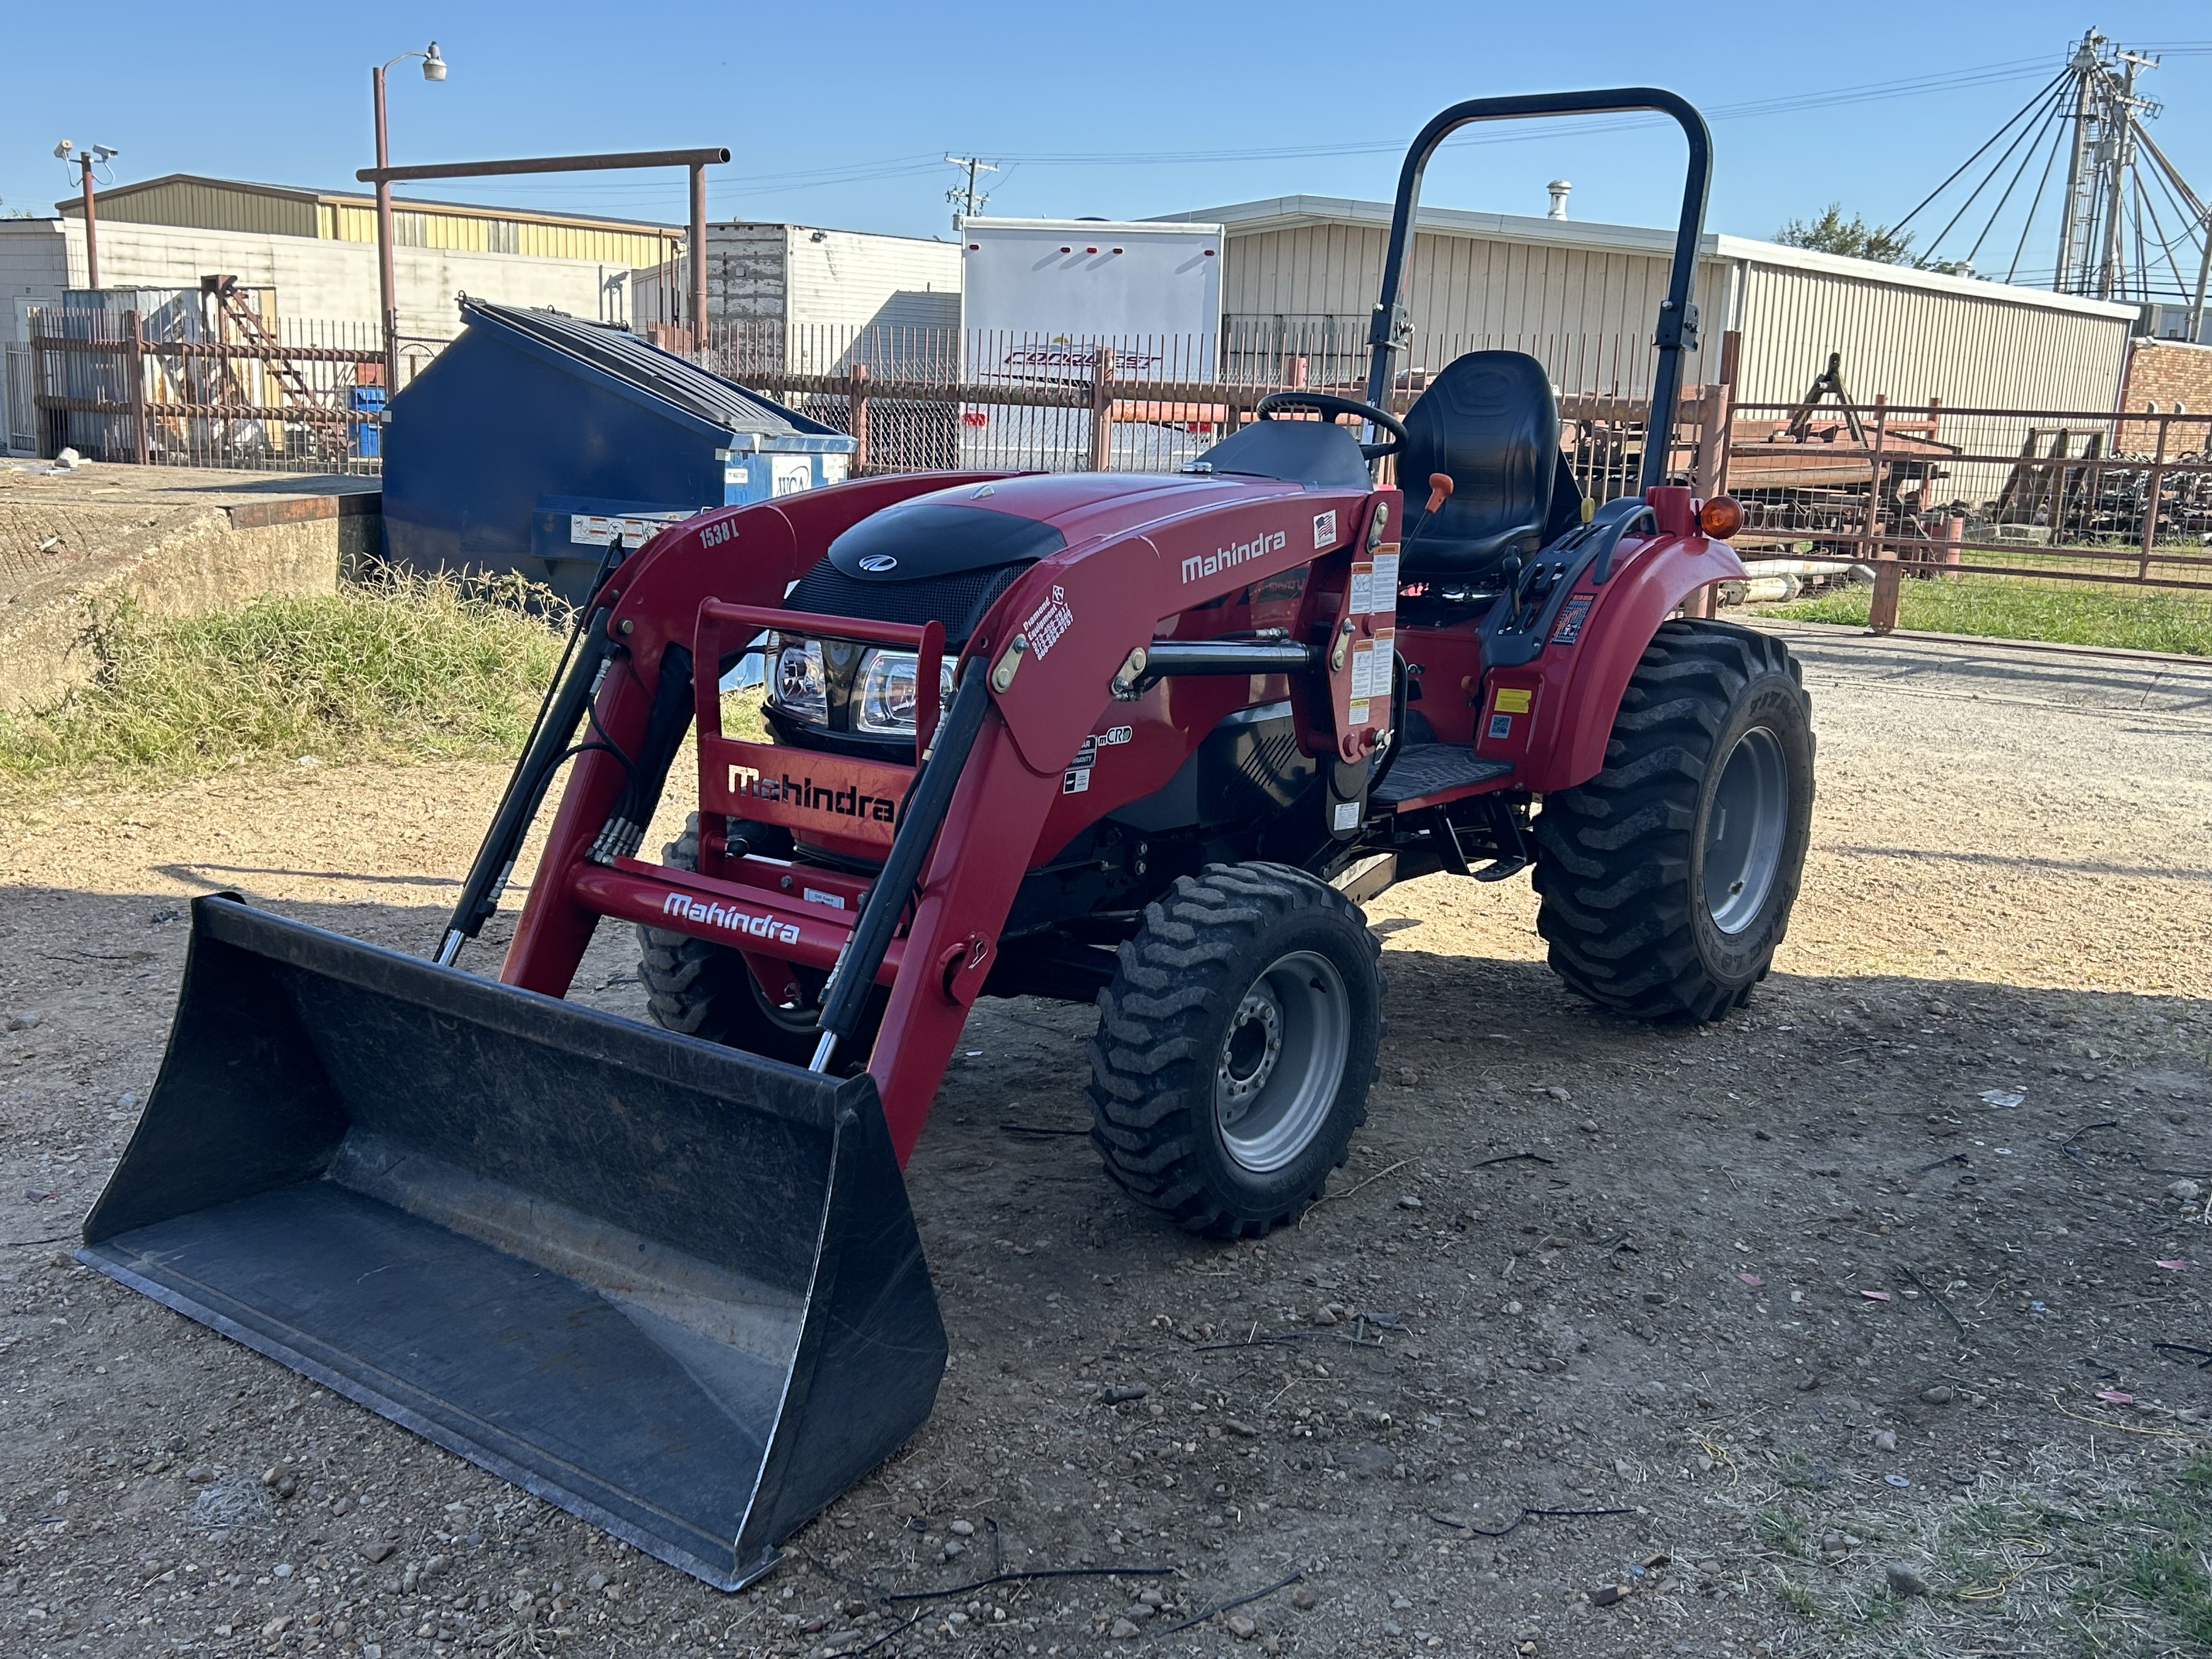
(403, 669)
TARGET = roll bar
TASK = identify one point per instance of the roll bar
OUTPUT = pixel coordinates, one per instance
(1678, 322)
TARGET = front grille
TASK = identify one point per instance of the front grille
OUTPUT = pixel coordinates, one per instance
(959, 602)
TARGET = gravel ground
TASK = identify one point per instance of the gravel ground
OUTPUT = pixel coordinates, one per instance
(1787, 1309)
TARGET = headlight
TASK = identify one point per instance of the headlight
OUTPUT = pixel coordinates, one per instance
(886, 703)
(798, 683)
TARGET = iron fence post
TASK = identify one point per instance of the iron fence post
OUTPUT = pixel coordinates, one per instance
(1881, 608)
(2153, 487)
(856, 423)
(134, 365)
(1102, 408)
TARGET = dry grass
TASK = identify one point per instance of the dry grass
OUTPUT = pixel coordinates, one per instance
(2084, 1560)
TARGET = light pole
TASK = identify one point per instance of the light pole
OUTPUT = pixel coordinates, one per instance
(88, 158)
(434, 68)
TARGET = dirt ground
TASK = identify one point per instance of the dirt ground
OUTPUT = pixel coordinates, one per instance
(1833, 1328)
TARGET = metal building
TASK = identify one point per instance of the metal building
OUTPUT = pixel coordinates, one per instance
(1301, 274)
(191, 201)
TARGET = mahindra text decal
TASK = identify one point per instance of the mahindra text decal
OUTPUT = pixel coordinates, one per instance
(1228, 558)
(809, 796)
(729, 918)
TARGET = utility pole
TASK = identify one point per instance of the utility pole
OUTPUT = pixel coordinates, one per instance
(970, 195)
(2119, 142)
(89, 157)
(2084, 66)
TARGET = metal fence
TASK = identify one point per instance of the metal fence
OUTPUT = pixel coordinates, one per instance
(211, 384)
(921, 398)
(1836, 491)
(1988, 498)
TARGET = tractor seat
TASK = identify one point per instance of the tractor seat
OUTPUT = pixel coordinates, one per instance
(1489, 423)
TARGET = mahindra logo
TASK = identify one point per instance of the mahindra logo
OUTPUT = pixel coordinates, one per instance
(729, 917)
(805, 794)
(876, 563)
(1225, 558)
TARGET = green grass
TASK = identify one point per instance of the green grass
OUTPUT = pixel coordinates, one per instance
(2023, 608)
(401, 669)
(2167, 1569)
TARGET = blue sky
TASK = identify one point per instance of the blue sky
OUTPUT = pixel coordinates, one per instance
(838, 116)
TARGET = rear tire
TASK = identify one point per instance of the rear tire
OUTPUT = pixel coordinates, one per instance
(1236, 1047)
(705, 990)
(1667, 879)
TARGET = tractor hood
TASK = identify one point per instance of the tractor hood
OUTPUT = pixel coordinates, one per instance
(1017, 521)
(930, 537)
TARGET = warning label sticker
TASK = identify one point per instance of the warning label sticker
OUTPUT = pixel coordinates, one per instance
(1571, 618)
(598, 529)
(1385, 581)
(1047, 623)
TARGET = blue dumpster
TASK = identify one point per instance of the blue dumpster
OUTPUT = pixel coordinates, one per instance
(367, 438)
(535, 438)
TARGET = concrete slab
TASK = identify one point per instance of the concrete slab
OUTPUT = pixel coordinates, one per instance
(175, 541)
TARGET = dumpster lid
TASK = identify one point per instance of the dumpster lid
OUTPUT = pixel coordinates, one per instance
(614, 351)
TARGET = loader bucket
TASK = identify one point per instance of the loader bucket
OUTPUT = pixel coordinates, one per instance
(673, 1288)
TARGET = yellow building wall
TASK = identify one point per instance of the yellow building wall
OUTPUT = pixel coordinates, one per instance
(214, 207)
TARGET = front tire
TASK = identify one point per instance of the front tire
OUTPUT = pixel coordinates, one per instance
(1236, 1047)
(1667, 879)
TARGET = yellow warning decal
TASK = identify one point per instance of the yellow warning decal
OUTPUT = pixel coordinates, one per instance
(1512, 700)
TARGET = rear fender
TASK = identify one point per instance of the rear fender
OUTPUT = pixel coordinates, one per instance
(1642, 591)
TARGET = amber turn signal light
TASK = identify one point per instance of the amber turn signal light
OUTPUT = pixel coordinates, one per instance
(1720, 517)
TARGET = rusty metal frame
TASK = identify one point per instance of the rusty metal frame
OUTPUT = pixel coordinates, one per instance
(696, 162)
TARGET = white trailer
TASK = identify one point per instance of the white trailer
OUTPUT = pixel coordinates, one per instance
(1039, 298)
(1058, 301)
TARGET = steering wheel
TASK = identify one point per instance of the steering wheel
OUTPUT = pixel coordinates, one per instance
(1329, 406)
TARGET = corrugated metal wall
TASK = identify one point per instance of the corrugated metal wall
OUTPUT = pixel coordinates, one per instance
(1465, 292)
(847, 278)
(195, 206)
(1914, 343)
(1908, 342)
(209, 207)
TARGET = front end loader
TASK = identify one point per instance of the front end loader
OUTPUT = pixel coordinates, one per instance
(1141, 742)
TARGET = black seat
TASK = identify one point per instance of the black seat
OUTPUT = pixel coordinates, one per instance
(1307, 451)
(1489, 422)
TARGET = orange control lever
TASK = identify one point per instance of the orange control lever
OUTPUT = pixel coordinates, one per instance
(1440, 489)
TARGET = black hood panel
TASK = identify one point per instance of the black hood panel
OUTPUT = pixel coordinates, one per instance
(923, 540)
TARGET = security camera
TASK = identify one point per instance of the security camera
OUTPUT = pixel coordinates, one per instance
(105, 152)
(62, 150)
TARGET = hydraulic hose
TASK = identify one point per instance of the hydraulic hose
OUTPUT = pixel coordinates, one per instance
(526, 793)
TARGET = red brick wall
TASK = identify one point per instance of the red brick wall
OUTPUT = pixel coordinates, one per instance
(2166, 374)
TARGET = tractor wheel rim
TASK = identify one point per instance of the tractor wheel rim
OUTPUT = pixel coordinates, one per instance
(1746, 823)
(1282, 1062)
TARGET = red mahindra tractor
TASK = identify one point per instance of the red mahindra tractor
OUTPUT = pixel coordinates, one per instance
(1140, 741)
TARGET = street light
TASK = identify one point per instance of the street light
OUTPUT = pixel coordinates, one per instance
(88, 156)
(434, 68)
